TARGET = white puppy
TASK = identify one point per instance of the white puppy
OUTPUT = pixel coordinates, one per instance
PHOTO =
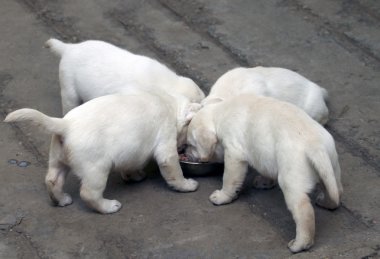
(95, 68)
(279, 83)
(281, 142)
(114, 132)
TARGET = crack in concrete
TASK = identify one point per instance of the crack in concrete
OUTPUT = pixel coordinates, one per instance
(40, 254)
(10, 221)
(367, 222)
(62, 26)
(355, 148)
(375, 254)
(349, 251)
(362, 52)
(199, 19)
(357, 8)
(27, 143)
(146, 36)
(11, 224)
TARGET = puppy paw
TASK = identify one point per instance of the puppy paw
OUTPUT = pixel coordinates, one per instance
(261, 182)
(324, 201)
(110, 206)
(218, 197)
(188, 185)
(66, 200)
(136, 176)
(297, 246)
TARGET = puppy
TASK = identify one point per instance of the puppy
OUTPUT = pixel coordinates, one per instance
(281, 142)
(92, 69)
(114, 132)
(280, 83)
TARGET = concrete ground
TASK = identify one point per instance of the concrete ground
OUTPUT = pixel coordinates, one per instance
(334, 43)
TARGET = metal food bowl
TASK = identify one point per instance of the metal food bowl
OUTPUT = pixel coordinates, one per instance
(201, 169)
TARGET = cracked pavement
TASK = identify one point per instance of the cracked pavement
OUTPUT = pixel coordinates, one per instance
(334, 43)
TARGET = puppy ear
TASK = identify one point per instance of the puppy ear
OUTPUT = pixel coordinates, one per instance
(191, 110)
(211, 101)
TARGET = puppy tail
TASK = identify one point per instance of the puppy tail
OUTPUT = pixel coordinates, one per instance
(322, 163)
(52, 125)
(56, 46)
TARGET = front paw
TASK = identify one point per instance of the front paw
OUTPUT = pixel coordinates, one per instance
(66, 200)
(325, 202)
(218, 197)
(109, 206)
(187, 185)
(297, 246)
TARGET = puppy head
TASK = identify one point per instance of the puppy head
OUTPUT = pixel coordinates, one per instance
(185, 116)
(201, 140)
(190, 90)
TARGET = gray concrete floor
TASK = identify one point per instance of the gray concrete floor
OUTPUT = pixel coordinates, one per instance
(334, 43)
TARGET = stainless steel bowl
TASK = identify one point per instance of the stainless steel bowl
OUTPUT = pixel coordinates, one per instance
(201, 169)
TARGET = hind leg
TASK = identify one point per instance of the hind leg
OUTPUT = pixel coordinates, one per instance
(323, 199)
(54, 180)
(94, 181)
(299, 205)
(56, 175)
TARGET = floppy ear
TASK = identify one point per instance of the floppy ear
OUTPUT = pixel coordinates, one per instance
(211, 101)
(191, 110)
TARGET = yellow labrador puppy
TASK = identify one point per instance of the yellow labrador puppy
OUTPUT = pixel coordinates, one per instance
(281, 142)
(92, 68)
(114, 132)
(280, 83)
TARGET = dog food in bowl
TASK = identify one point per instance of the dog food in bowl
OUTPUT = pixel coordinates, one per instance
(184, 158)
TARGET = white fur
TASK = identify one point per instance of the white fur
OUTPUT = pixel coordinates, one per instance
(277, 139)
(279, 83)
(95, 68)
(114, 132)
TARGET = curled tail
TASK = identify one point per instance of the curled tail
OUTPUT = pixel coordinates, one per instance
(52, 125)
(322, 163)
(56, 46)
